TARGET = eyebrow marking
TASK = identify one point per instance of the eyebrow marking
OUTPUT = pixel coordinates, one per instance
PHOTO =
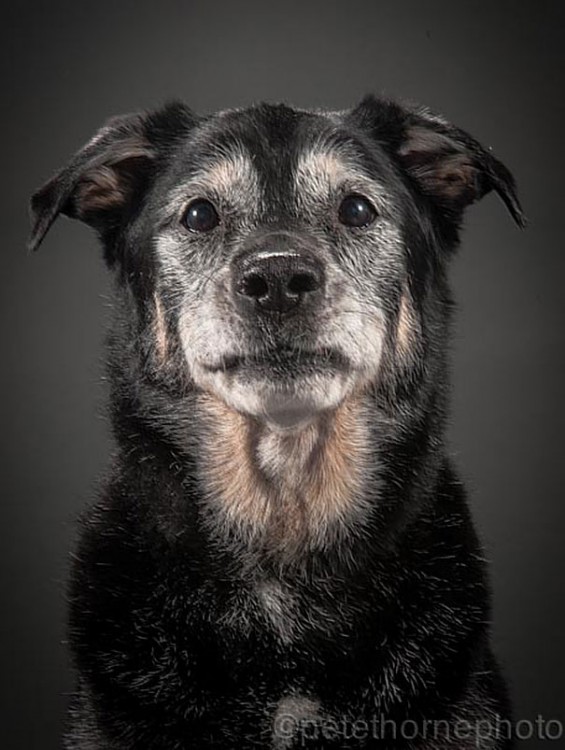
(235, 170)
(233, 174)
(325, 168)
(319, 169)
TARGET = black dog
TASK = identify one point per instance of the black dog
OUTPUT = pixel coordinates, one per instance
(282, 556)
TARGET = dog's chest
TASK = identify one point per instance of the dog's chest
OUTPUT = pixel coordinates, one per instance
(278, 607)
(275, 609)
(288, 493)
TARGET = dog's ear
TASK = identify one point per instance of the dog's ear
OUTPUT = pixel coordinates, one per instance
(445, 162)
(107, 177)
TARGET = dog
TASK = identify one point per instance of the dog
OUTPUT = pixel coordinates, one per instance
(282, 554)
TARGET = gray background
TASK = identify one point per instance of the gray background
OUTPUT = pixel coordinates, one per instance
(494, 68)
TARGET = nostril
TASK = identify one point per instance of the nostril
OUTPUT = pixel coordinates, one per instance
(254, 285)
(303, 282)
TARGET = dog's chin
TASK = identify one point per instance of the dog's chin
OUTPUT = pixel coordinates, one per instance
(285, 405)
(283, 401)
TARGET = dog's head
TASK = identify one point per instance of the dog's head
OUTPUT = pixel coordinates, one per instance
(286, 252)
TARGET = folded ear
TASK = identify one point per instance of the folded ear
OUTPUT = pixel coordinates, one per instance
(445, 162)
(108, 176)
(100, 180)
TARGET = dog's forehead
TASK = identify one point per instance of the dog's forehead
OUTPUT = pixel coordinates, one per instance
(273, 145)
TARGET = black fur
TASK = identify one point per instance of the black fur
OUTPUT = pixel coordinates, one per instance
(171, 649)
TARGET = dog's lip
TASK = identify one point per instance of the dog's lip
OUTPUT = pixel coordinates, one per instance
(287, 357)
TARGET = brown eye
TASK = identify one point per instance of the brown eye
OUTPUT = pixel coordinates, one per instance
(200, 216)
(356, 211)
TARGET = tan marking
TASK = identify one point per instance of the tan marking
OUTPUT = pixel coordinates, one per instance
(458, 179)
(108, 185)
(319, 172)
(288, 490)
(225, 173)
(429, 156)
(228, 468)
(319, 166)
(322, 171)
(160, 331)
(232, 176)
(98, 190)
(405, 326)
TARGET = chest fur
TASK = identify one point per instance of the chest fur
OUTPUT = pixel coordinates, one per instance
(287, 490)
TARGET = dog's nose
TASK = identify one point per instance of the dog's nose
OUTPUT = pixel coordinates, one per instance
(278, 282)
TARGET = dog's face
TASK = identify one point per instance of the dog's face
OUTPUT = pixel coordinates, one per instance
(278, 241)
(285, 249)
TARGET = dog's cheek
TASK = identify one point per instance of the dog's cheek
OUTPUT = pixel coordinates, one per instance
(189, 340)
(160, 334)
(407, 331)
(405, 343)
(352, 322)
(204, 336)
(163, 356)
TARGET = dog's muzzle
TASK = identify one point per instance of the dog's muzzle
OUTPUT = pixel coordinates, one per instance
(282, 367)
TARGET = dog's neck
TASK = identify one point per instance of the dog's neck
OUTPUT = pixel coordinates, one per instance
(286, 490)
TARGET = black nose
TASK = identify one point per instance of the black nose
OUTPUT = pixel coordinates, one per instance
(278, 282)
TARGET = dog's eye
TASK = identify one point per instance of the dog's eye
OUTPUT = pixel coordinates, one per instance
(200, 216)
(356, 211)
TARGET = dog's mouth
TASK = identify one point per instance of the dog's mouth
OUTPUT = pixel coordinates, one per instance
(285, 386)
(284, 362)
